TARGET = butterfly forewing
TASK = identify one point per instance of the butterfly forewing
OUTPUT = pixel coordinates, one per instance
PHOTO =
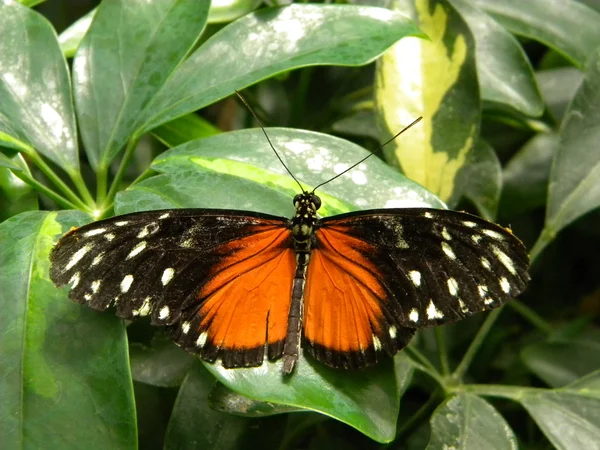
(196, 271)
(434, 266)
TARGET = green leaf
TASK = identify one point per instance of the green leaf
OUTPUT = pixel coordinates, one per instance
(228, 10)
(467, 421)
(15, 195)
(129, 52)
(64, 377)
(568, 416)
(574, 189)
(567, 26)
(271, 41)
(184, 129)
(483, 180)
(239, 170)
(560, 363)
(194, 424)
(225, 400)
(503, 69)
(433, 152)
(36, 112)
(558, 87)
(70, 39)
(525, 176)
(160, 364)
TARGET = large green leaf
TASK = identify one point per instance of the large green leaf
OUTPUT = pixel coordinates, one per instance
(271, 41)
(525, 176)
(183, 129)
(64, 377)
(15, 195)
(435, 79)
(468, 422)
(129, 52)
(36, 111)
(567, 26)
(558, 87)
(568, 416)
(560, 363)
(503, 70)
(574, 188)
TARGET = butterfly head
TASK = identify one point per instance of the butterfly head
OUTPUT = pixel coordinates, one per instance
(303, 222)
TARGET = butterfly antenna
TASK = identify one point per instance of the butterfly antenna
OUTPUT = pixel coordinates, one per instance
(268, 140)
(414, 122)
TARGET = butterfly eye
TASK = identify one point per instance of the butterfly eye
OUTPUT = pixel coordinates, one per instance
(316, 201)
(297, 198)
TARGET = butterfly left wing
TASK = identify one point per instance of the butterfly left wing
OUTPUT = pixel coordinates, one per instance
(377, 276)
(219, 280)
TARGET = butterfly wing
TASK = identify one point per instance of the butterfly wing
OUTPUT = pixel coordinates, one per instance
(377, 276)
(219, 280)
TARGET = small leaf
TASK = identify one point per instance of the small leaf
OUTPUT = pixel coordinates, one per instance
(568, 416)
(161, 364)
(184, 129)
(36, 109)
(129, 52)
(525, 176)
(467, 421)
(64, 375)
(574, 189)
(15, 195)
(558, 87)
(271, 41)
(228, 10)
(503, 69)
(433, 152)
(482, 180)
(567, 26)
(70, 39)
(560, 363)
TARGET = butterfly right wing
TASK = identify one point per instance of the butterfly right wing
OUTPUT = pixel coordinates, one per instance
(219, 280)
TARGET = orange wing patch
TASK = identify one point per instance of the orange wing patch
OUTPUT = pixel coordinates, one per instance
(343, 297)
(247, 300)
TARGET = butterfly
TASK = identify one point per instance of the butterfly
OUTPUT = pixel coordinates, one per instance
(242, 286)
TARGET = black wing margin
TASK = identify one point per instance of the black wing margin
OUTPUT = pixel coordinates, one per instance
(437, 266)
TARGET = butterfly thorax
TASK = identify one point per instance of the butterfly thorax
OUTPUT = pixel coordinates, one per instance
(304, 221)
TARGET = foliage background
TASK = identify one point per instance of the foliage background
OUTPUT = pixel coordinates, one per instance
(510, 93)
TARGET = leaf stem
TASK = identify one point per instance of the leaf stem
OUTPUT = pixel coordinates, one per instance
(464, 364)
(442, 352)
(101, 180)
(54, 178)
(82, 188)
(534, 318)
(546, 236)
(497, 390)
(129, 151)
(45, 190)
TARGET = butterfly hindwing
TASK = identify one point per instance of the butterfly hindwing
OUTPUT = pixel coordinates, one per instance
(201, 273)
(433, 266)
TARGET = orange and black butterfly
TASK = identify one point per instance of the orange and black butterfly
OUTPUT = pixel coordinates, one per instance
(243, 286)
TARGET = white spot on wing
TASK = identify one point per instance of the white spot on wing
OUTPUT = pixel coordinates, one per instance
(77, 256)
(504, 259)
(164, 216)
(505, 285)
(415, 277)
(493, 234)
(185, 327)
(413, 316)
(376, 343)
(432, 312)
(463, 307)
(201, 341)
(448, 251)
(393, 332)
(109, 236)
(452, 286)
(74, 281)
(96, 286)
(126, 283)
(428, 215)
(87, 297)
(485, 263)
(476, 238)
(167, 276)
(94, 232)
(97, 259)
(483, 290)
(468, 223)
(164, 313)
(137, 249)
(121, 223)
(144, 309)
(488, 301)
(445, 234)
